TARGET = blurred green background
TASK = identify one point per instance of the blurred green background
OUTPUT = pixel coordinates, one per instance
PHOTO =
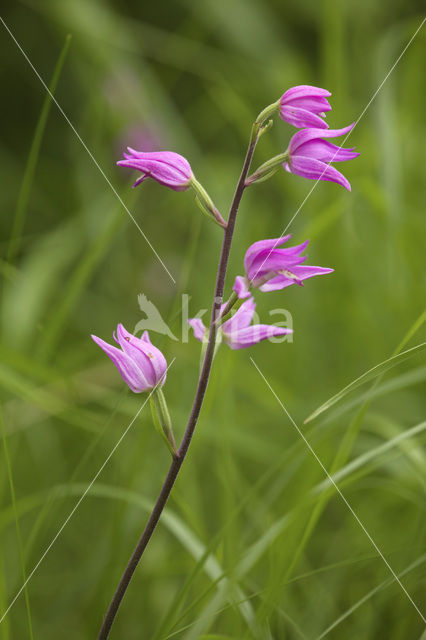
(252, 545)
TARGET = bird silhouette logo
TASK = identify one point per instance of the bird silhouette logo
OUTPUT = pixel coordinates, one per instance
(153, 320)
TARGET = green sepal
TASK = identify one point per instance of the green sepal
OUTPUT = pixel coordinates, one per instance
(161, 419)
(232, 301)
(205, 203)
(267, 112)
(264, 128)
(207, 212)
(267, 169)
(265, 177)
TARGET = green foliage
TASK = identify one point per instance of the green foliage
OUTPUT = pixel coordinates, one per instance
(255, 543)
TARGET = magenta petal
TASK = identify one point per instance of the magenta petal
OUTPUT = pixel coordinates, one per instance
(301, 137)
(277, 284)
(313, 104)
(301, 118)
(139, 180)
(301, 272)
(302, 90)
(262, 245)
(299, 248)
(317, 170)
(149, 359)
(166, 157)
(241, 318)
(128, 369)
(198, 328)
(252, 335)
(325, 151)
(241, 287)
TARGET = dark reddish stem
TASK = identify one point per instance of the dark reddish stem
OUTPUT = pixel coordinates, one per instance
(198, 401)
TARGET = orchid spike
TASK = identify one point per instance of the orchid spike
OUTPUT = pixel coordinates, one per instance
(270, 268)
(305, 106)
(141, 365)
(309, 155)
(166, 167)
(238, 332)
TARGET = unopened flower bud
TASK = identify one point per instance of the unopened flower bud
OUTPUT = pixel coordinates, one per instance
(166, 167)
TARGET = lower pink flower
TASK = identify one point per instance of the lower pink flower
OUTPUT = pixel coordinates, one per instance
(141, 365)
(238, 332)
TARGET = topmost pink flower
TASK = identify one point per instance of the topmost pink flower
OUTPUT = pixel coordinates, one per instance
(166, 167)
(305, 106)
